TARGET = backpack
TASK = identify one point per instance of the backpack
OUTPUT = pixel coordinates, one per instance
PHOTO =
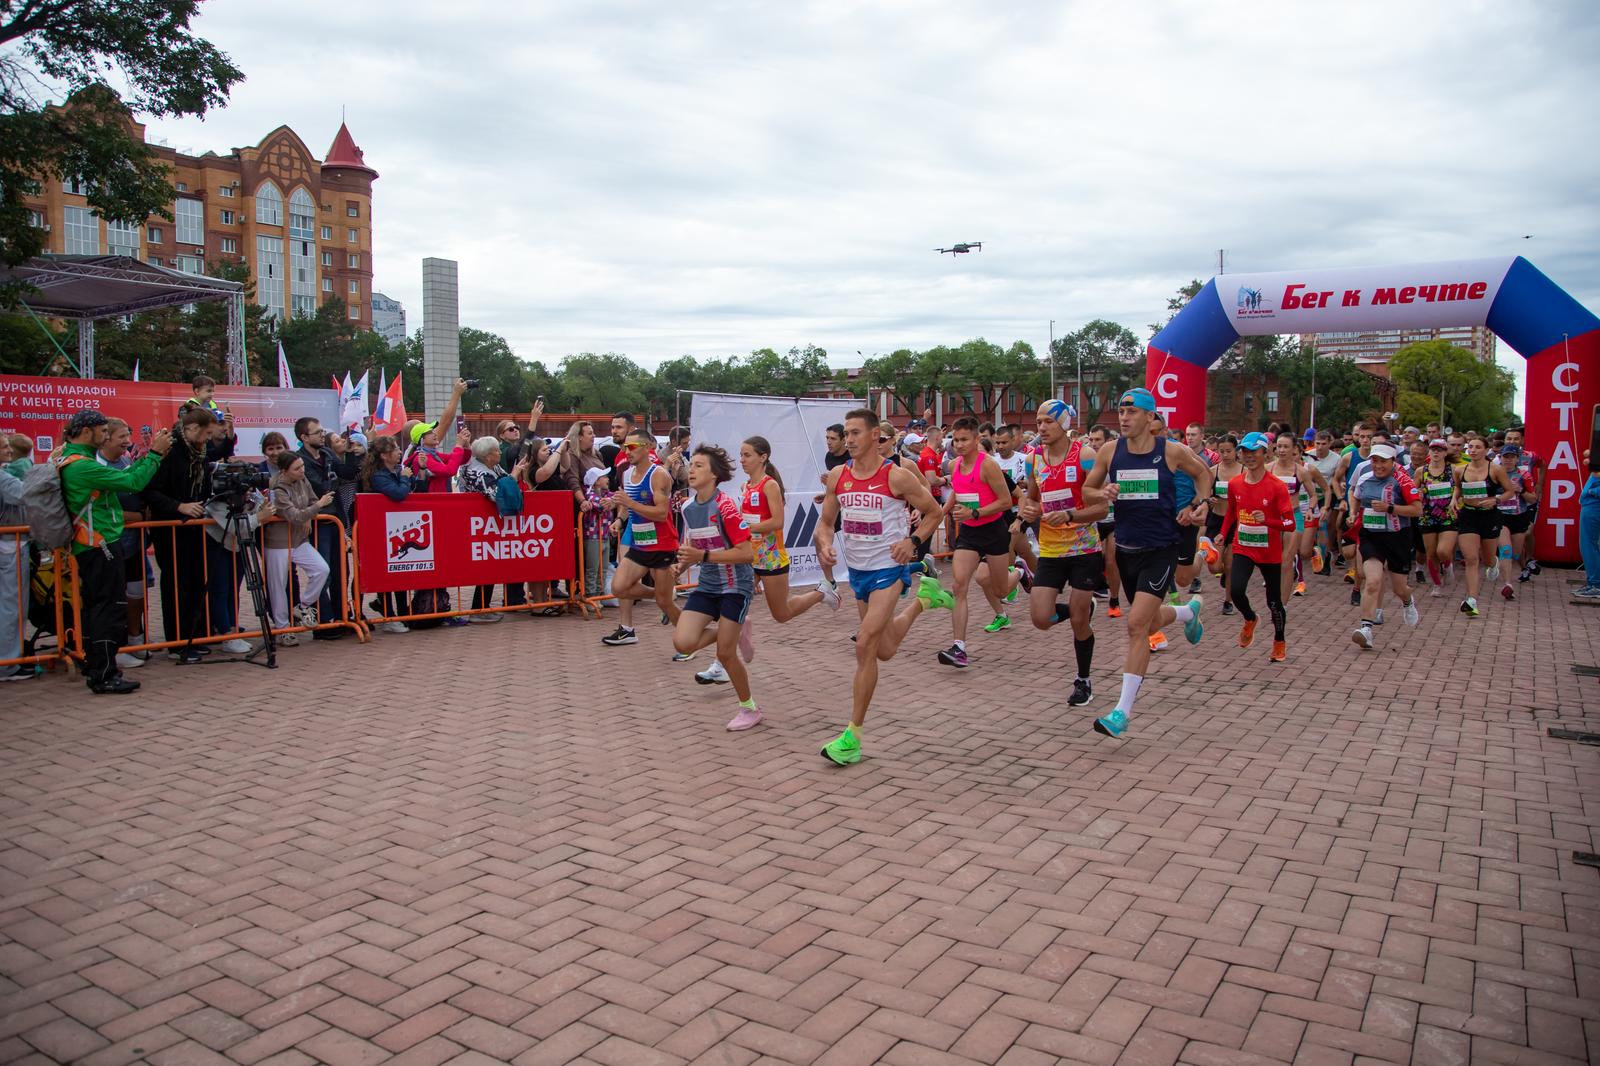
(427, 601)
(508, 496)
(50, 524)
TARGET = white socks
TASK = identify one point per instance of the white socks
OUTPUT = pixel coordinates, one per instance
(1130, 692)
(1183, 613)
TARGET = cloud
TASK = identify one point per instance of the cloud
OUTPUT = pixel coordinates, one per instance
(711, 179)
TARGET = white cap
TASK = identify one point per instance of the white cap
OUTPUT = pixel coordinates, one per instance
(1382, 451)
(913, 438)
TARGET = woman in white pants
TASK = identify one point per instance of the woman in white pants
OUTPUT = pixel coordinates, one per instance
(289, 540)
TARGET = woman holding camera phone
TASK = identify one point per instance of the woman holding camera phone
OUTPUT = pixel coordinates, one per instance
(289, 541)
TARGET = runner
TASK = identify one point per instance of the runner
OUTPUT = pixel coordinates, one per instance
(1013, 465)
(1532, 466)
(1436, 482)
(979, 501)
(1227, 468)
(1386, 503)
(1136, 479)
(718, 541)
(1516, 516)
(761, 503)
(1344, 477)
(1326, 462)
(1296, 476)
(870, 496)
(1069, 545)
(1481, 487)
(1261, 512)
(645, 506)
(1099, 437)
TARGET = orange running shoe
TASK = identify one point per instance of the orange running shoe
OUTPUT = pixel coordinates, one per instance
(1299, 588)
(1280, 651)
(1212, 555)
(1247, 635)
(1114, 611)
(1158, 642)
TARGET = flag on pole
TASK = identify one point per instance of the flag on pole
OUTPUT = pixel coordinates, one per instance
(136, 370)
(383, 383)
(353, 411)
(285, 381)
(338, 387)
(390, 414)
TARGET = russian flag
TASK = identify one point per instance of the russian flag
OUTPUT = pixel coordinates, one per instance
(390, 413)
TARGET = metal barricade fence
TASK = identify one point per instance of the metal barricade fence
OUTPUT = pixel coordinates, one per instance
(26, 592)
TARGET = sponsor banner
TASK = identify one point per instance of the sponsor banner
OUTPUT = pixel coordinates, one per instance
(1564, 384)
(450, 539)
(1179, 388)
(1411, 296)
(39, 407)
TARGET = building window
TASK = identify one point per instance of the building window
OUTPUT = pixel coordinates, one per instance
(269, 205)
(302, 215)
(327, 284)
(269, 274)
(83, 231)
(229, 245)
(35, 218)
(75, 187)
(352, 209)
(355, 310)
(1272, 403)
(351, 236)
(228, 217)
(355, 288)
(154, 236)
(327, 233)
(303, 275)
(353, 261)
(122, 238)
(182, 186)
(327, 260)
(228, 192)
(191, 222)
(191, 264)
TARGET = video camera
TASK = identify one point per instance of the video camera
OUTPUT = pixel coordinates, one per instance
(233, 478)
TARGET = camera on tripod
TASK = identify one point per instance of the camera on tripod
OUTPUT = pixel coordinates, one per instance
(231, 478)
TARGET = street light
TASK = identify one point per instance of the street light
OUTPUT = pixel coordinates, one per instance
(1052, 358)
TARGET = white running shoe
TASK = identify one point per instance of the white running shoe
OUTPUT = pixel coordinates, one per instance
(1411, 615)
(712, 675)
(393, 627)
(1363, 637)
(830, 594)
(235, 646)
(487, 619)
(128, 662)
(305, 615)
(1377, 617)
(1492, 573)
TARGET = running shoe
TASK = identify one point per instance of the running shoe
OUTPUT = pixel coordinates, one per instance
(1113, 724)
(1377, 617)
(747, 718)
(1526, 575)
(1409, 613)
(844, 749)
(393, 627)
(1350, 576)
(665, 619)
(1024, 576)
(1158, 641)
(1280, 652)
(830, 594)
(286, 640)
(1082, 692)
(1355, 597)
(1586, 592)
(1507, 592)
(954, 656)
(1533, 565)
(453, 621)
(124, 662)
(1101, 594)
(305, 615)
(747, 648)
(1011, 593)
(1492, 573)
(932, 595)
(1317, 564)
(620, 636)
(235, 646)
(1212, 555)
(1299, 588)
(1417, 576)
(1228, 608)
(682, 656)
(1247, 635)
(1436, 591)
(1469, 607)
(1363, 637)
(1192, 629)
(1115, 610)
(712, 675)
(1001, 621)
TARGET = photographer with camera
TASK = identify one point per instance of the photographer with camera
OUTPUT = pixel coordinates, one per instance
(324, 468)
(294, 500)
(179, 491)
(236, 490)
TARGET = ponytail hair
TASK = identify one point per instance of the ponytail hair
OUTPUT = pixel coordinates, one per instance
(763, 449)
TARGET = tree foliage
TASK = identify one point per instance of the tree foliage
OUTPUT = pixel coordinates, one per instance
(1474, 394)
(1111, 357)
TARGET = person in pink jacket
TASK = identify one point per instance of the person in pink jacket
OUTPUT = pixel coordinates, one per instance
(438, 467)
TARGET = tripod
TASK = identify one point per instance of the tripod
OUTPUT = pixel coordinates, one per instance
(237, 524)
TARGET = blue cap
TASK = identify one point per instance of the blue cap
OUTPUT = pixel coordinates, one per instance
(1140, 398)
(1254, 442)
(1310, 434)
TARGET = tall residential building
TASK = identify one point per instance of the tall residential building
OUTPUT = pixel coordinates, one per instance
(302, 225)
(388, 319)
(1373, 347)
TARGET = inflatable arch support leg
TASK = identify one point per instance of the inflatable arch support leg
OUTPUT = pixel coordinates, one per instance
(1558, 336)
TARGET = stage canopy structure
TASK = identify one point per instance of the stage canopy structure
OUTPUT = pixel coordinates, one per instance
(86, 288)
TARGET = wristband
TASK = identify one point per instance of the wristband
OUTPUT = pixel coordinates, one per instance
(705, 556)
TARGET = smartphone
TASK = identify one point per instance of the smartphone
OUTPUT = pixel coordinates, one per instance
(461, 423)
(1594, 442)
(539, 399)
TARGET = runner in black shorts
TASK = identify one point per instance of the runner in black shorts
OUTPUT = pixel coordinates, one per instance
(1099, 438)
(1386, 504)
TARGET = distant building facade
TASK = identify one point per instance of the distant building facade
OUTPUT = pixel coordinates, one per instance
(302, 226)
(389, 319)
(1373, 347)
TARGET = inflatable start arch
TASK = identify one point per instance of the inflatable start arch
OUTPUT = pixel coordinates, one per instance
(1558, 336)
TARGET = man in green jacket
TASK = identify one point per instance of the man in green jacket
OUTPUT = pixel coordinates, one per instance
(90, 492)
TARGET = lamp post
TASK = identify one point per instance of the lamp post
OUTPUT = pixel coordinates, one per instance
(1052, 358)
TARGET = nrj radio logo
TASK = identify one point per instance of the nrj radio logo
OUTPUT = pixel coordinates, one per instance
(409, 536)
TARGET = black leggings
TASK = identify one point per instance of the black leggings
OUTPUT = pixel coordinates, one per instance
(1239, 584)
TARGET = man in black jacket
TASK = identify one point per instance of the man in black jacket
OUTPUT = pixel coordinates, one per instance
(178, 492)
(323, 471)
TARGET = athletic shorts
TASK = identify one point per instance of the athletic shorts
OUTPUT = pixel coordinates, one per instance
(1085, 571)
(1517, 523)
(774, 572)
(730, 605)
(1392, 548)
(1437, 527)
(1147, 570)
(1106, 530)
(1188, 541)
(991, 538)
(865, 582)
(1479, 522)
(651, 560)
(1213, 525)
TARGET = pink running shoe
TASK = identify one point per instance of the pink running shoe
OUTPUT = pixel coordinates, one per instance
(747, 718)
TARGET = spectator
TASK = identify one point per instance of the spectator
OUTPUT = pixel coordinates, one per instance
(382, 472)
(351, 449)
(178, 492)
(324, 468)
(289, 541)
(87, 489)
(114, 453)
(427, 462)
(578, 456)
(14, 567)
(225, 541)
(612, 452)
(544, 475)
(483, 476)
(272, 444)
(21, 455)
(596, 520)
(513, 442)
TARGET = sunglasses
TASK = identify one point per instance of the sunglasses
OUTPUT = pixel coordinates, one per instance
(885, 440)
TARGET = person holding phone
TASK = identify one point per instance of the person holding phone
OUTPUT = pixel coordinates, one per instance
(1589, 518)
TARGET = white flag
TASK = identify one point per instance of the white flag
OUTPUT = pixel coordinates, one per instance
(354, 409)
(284, 380)
(136, 370)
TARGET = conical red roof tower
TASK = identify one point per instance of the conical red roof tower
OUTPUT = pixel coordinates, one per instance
(344, 155)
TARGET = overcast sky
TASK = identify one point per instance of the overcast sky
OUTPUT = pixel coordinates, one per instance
(711, 178)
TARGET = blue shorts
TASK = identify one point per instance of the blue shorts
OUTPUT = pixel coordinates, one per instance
(730, 605)
(865, 582)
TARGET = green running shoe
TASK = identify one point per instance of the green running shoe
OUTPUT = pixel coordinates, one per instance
(1001, 621)
(844, 750)
(1192, 628)
(1011, 597)
(932, 594)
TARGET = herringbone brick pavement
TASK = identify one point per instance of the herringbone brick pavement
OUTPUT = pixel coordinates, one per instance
(509, 843)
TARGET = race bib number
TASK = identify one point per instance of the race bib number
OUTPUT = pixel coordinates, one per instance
(1252, 536)
(1439, 490)
(1378, 523)
(861, 522)
(968, 500)
(1475, 490)
(1222, 489)
(644, 533)
(706, 538)
(1055, 500)
(1138, 485)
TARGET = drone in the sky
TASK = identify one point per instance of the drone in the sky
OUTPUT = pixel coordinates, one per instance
(963, 248)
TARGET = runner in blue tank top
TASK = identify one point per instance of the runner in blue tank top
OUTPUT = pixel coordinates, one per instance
(1138, 480)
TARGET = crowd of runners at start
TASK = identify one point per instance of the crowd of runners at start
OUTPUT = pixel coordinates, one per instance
(1070, 521)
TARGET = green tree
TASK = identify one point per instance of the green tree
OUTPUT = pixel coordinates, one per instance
(596, 384)
(68, 46)
(1112, 359)
(31, 347)
(899, 373)
(1346, 394)
(1434, 374)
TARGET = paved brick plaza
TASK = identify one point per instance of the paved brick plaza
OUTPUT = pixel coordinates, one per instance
(507, 843)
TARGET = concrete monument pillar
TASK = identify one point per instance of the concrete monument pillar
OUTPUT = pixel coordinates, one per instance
(441, 333)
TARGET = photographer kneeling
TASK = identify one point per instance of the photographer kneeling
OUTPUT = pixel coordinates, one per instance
(286, 541)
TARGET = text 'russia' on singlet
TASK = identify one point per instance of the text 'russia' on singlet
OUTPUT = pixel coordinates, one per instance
(871, 518)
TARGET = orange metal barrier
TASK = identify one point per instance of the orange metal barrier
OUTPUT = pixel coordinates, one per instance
(18, 593)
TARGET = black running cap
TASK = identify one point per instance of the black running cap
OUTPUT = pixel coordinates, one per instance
(86, 419)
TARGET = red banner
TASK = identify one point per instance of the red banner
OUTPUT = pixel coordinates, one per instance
(449, 539)
(40, 407)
